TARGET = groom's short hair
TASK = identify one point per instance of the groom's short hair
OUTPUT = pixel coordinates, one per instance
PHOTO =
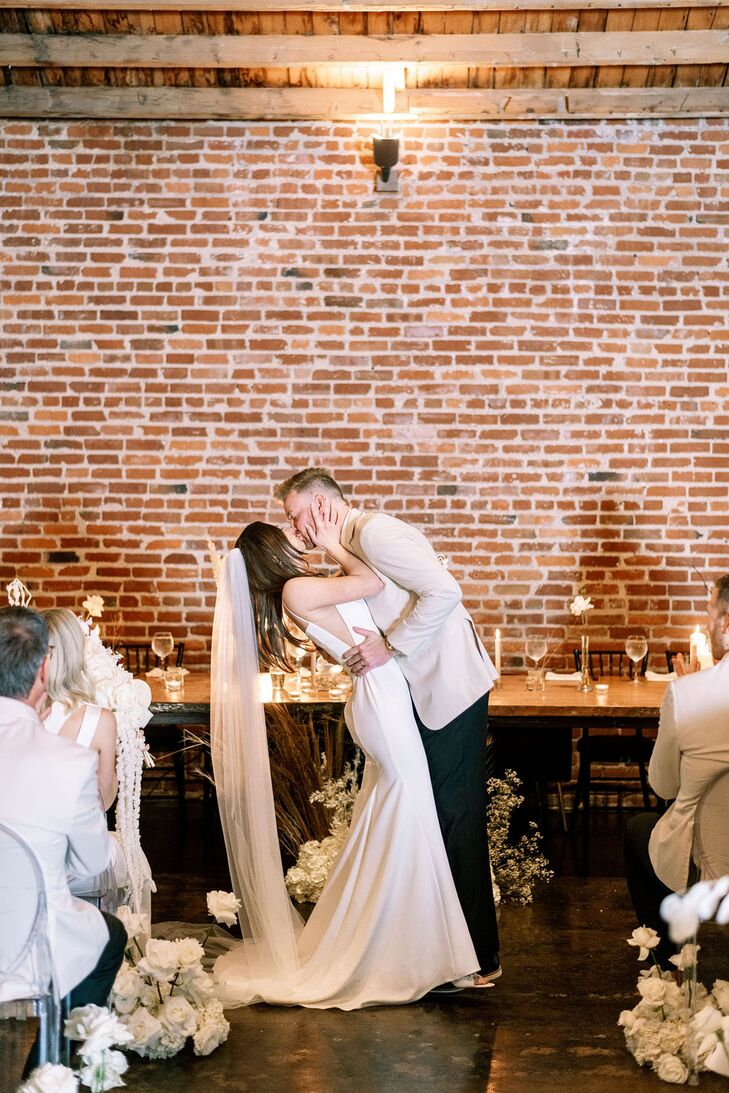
(23, 646)
(316, 478)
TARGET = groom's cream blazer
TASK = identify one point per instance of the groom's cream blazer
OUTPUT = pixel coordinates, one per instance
(691, 750)
(420, 612)
(49, 794)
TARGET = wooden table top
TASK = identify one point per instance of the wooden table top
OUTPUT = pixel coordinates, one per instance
(509, 699)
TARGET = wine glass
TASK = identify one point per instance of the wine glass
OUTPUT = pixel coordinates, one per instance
(162, 645)
(636, 647)
(536, 648)
(296, 654)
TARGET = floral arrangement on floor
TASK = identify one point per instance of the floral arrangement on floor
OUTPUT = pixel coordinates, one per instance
(130, 700)
(306, 879)
(680, 1029)
(99, 1032)
(517, 867)
(162, 993)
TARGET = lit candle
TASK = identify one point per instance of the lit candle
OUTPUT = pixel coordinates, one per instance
(265, 687)
(704, 653)
(695, 641)
(497, 652)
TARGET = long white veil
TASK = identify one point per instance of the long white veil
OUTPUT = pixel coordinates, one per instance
(242, 773)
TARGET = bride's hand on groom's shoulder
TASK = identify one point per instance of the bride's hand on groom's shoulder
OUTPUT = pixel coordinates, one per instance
(323, 527)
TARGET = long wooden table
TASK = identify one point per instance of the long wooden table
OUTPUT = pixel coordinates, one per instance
(625, 704)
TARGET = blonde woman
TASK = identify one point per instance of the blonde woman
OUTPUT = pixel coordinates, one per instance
(75, 715)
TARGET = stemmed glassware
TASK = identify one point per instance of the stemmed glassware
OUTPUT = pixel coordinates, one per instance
(162, 645)
(636, 647)
(536, 648)
(297, 654)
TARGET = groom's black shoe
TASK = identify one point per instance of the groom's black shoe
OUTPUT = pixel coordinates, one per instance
(445, 988)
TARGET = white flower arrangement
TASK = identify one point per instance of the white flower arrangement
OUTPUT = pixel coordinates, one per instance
(130, 699)
(165, 997)
(580, 606)
(517, 867)
(99, 1031)
(676, 1030)
(306, 879)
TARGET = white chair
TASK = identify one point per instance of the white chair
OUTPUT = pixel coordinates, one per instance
(711, 830)
(26, 967)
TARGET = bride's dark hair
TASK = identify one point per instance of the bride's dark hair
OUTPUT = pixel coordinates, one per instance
(271, 561)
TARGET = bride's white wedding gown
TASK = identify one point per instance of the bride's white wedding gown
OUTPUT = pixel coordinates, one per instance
(388, 926)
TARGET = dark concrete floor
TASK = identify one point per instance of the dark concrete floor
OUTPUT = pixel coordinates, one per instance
(550, 1022)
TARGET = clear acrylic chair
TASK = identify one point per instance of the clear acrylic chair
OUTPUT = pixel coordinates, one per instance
(26, 968)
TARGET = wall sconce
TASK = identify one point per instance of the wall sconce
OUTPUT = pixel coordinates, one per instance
(386, 148)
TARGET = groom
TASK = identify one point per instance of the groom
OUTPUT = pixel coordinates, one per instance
(425, 626)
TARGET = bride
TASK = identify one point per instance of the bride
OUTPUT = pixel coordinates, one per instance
(388, 926)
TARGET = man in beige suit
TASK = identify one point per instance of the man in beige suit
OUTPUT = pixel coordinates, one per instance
(691, 750)
(423, 624)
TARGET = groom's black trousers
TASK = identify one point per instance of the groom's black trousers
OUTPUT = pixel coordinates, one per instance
(457, 761)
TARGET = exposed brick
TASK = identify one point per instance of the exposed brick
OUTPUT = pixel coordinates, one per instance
(523, 352)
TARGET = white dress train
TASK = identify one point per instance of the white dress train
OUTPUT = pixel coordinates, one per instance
(388, 926)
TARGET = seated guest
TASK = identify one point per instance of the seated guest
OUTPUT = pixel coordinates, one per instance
(691, 750)
(73, 713)
(50, 796)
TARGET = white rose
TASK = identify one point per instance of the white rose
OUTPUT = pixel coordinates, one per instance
(669, 1068)
(196, 985)
(721, 994)
(131, 699)
(652, 991)
(50, 1078)
(159, 960)
(189, 952)
(143, 1027)
(627, 1019)
(210, 1035)
(127, 988)
(103, 1070)
(96, 1027)
(223, 906)
(177, 1016)
(644, 938)
(135, 925)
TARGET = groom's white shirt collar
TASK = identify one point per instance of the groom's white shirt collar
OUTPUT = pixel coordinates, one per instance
(13, 710)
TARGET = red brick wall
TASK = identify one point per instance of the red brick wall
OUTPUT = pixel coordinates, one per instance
(523, 352)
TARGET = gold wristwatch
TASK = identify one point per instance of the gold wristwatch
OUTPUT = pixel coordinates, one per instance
(388, 645)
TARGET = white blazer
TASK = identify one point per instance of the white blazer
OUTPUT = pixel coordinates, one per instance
(691, 750)
(420, 612)
(49, 793)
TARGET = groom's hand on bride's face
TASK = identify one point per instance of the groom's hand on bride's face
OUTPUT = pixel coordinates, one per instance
(369, 654)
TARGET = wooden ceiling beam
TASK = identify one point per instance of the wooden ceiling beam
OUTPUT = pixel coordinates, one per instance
(543, 50)
(306, 103)
(347, 6)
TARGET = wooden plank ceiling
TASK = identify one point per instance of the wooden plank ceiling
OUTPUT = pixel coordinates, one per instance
(328, 58)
